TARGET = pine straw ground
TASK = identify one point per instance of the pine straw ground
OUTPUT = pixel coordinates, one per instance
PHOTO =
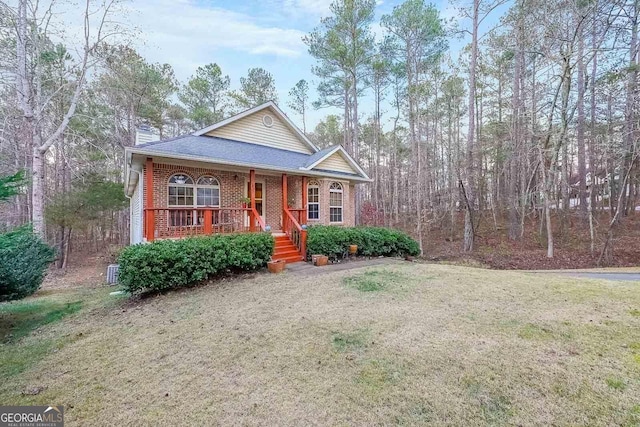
(400, 344)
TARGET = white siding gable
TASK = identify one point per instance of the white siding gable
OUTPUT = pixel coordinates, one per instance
(336, 162)
(252, 129)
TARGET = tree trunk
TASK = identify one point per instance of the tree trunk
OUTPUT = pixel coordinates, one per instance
(471, 167)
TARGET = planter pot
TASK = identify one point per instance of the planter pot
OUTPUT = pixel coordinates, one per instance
(276, 266)
(319, 260)
(353, 249)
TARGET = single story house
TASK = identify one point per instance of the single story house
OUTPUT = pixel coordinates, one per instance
(255, 171)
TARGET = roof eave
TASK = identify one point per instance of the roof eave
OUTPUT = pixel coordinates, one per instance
(300, 171)
(348, 157)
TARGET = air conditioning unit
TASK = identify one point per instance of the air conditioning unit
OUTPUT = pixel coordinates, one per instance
(112, 274)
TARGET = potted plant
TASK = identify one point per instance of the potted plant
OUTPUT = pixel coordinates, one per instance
(353, 249)
(246, 202)
(319, 260)
(276, 265)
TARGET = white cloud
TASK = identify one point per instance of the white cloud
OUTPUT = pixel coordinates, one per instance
(187, 35)
(214, 28)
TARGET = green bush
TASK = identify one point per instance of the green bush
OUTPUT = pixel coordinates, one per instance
(334, 241)
(168, 264)
(24, 258)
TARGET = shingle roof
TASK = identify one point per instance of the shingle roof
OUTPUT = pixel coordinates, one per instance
(237, 152)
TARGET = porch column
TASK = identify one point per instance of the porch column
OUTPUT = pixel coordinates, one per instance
(149, 219)
(284, 201)
(252, 196)
(303, 215)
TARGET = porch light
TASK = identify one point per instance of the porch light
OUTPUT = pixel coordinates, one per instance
(303, 226)
(267, 228)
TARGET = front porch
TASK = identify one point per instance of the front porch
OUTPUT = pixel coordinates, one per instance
(231, 202)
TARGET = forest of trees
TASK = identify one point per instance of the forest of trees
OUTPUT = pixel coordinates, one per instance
(533, 124)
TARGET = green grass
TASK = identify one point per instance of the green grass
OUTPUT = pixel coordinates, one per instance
(616, 383)
(376, 280)
(531, 331)
(354, 341)
(634, 312)
(20, 318)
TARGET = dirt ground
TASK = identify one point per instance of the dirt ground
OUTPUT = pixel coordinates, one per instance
(493, 249)
(394, 344)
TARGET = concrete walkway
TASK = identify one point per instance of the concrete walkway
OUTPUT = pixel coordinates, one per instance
(605, 275)
(308, 269)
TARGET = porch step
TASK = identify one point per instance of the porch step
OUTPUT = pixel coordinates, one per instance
(285, 250)
(291, 260)
(280, 244)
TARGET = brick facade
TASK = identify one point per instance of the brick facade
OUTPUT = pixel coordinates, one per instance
(233, 189)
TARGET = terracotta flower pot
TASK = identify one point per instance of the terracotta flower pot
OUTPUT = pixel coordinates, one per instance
(319, 260)
(353, 249)
(276, 266)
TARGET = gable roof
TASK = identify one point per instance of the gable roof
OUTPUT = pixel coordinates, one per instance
(274, 109)
(315, 160)
(211, 148)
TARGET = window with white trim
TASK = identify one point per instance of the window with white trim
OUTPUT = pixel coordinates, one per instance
(335, 202)
(313, 200)
(181, 190)
(208, 192)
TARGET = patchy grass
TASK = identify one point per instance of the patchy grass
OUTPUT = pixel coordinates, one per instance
(634, 312)
(374, 375)
(433, 344)
(616, 383)
(531, 331)
(354, 341)
(25, 326)
(377, 280)
(19, 318)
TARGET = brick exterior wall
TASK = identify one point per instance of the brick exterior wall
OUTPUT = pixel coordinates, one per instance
(232, 191)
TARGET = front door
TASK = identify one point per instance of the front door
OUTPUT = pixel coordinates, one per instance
(260, 197)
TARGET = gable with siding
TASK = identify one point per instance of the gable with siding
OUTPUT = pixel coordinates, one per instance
(336, 162)
(252, 129)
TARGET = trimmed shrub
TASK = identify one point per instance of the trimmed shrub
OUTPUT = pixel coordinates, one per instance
(169, 264)
(334, 241)
(24, 258)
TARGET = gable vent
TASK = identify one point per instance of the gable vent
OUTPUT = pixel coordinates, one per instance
(267, 120)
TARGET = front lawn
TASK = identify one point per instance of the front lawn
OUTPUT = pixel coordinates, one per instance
(398, 344)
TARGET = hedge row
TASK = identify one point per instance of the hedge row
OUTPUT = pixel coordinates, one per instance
(334, 241)
(24, 258)
(175, 263)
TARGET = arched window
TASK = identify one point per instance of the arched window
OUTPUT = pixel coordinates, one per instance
(335, 202)
(208, 192)
(180, 190)
(313, 200)
(180, 195)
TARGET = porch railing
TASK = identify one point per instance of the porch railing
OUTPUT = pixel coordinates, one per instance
(295, 232)
(180, 222)
(299, 215)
